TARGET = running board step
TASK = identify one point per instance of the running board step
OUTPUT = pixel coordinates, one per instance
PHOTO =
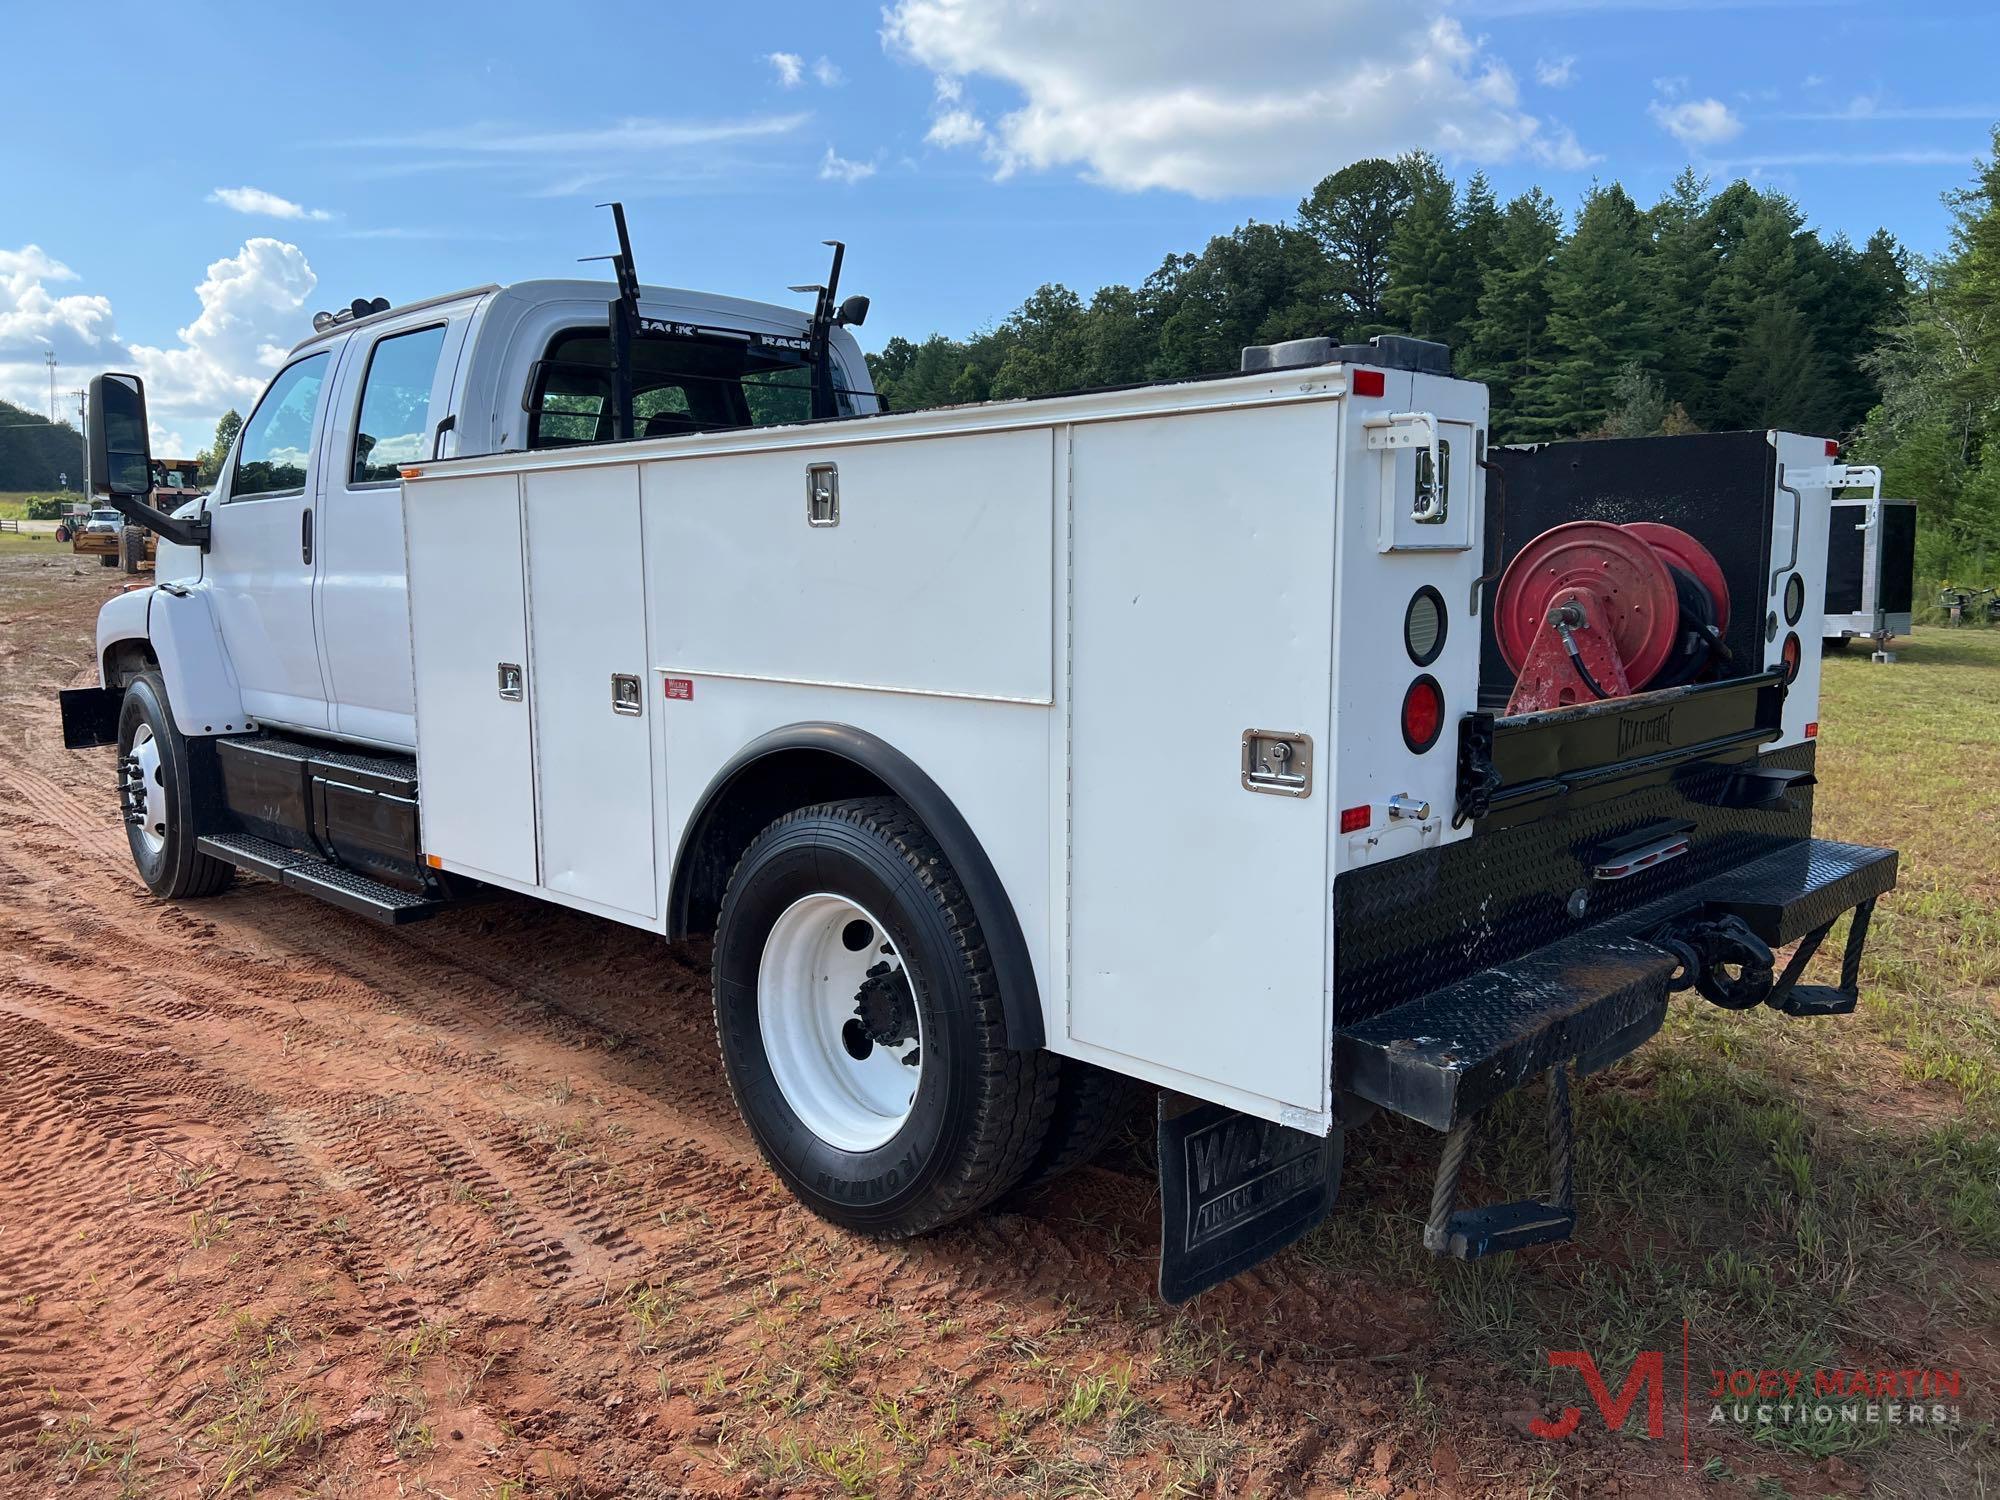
(332, 884)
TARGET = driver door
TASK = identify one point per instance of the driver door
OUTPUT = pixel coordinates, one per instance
(262, 547)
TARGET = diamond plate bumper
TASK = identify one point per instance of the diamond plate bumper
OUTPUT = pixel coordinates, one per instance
(1588, 998)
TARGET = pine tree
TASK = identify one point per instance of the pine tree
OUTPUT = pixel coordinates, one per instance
(1509, 338)
(1600, 319)
(1679, 275)
(1432, 278)
(1481, 225)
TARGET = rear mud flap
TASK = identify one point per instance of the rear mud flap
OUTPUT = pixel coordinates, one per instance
(1235, 1190)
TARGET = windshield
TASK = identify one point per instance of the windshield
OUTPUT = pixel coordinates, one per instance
(104, 515)
(692, 380)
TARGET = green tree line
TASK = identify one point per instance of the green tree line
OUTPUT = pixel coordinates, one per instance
(1706, 310)
(35, 452)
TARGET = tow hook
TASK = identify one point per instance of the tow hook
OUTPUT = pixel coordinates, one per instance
(1723, 959)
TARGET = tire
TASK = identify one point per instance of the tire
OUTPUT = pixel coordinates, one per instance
(181, 777)
(131, 548)
(107, 560)
(977, 1113)
(1092, 1105)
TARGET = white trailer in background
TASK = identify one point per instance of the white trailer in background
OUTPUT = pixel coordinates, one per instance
(1014, 754)
(1871, 566)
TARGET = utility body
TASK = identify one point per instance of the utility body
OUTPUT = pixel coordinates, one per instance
(1015, 754)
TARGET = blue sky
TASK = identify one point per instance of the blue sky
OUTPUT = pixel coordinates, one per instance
(183, 186)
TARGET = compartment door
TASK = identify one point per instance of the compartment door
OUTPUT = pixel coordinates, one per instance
(469, 652)
(1202, 609)
(593, 713)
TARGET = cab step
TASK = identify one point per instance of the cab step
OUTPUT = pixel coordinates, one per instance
(316, 877)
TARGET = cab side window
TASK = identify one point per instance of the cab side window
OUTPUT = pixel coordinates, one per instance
(394, 426)
(271, 458)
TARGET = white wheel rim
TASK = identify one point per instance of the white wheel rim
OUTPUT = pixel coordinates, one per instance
(152, 824)
(849, 1090)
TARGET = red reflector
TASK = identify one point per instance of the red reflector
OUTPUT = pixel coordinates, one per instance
(1812, 730)
(1354, 819)
(1423, 714)
(1791, 656)
(1833, 447)
(1367, 382)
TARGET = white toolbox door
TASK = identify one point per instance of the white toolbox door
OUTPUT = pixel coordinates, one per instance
(587, 620)
(1202, 607)
(468, 624)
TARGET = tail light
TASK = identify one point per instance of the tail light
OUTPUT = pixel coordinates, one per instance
(1423, 714)
(1791, 654)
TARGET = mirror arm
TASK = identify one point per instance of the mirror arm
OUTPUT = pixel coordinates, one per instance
(189, 533)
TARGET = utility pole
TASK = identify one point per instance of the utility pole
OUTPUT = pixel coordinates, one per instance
(82, 418)
(49, 359)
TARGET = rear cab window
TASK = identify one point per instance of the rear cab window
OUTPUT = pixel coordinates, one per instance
(394, 425)
(694, 380)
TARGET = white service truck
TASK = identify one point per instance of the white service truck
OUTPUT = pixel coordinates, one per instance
(1012, 753)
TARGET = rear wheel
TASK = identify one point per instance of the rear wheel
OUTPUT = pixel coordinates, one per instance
(131, 548)
(161, 777)
(860, 1024)
(1092, 1105)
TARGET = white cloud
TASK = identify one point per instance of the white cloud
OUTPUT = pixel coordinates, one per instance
(1560, 149)
(836, 168)
(1697, 122)
(956, 127)
(828, 75)
(252, 309)
(1555, 72)
(632, 155)
(249, 200)
(34, 321)
(1154, 94)
(630, 135)
(790, 68)
(1921, 156)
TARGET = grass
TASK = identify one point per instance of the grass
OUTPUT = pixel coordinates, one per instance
(1803, 1194)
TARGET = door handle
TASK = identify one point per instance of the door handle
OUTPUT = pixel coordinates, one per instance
(306, 536)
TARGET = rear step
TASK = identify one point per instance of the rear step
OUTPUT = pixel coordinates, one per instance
(1468, 1234)
(316, 877)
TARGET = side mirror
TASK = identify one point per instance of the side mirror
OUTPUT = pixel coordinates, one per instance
(853, 313)
(121, 450)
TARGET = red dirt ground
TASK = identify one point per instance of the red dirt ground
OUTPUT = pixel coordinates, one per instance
(296, 1203)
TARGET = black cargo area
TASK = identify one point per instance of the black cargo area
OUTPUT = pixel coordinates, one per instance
(1715, 486)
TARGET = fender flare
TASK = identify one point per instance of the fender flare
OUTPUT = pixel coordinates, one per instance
(202, 693)
(1020, 995)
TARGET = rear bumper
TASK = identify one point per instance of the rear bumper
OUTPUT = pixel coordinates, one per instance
(1589, 998)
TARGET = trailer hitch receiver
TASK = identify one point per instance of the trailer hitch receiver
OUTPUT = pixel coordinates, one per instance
(1723, 959)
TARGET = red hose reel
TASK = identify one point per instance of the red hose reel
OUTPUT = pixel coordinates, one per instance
(1593, 610)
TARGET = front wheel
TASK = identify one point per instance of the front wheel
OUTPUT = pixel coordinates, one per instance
(158, 771)
(860, 1024)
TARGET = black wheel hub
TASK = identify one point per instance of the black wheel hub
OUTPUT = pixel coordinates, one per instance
(885, 1007)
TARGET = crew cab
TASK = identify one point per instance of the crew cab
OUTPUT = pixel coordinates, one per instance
(1015, 754)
